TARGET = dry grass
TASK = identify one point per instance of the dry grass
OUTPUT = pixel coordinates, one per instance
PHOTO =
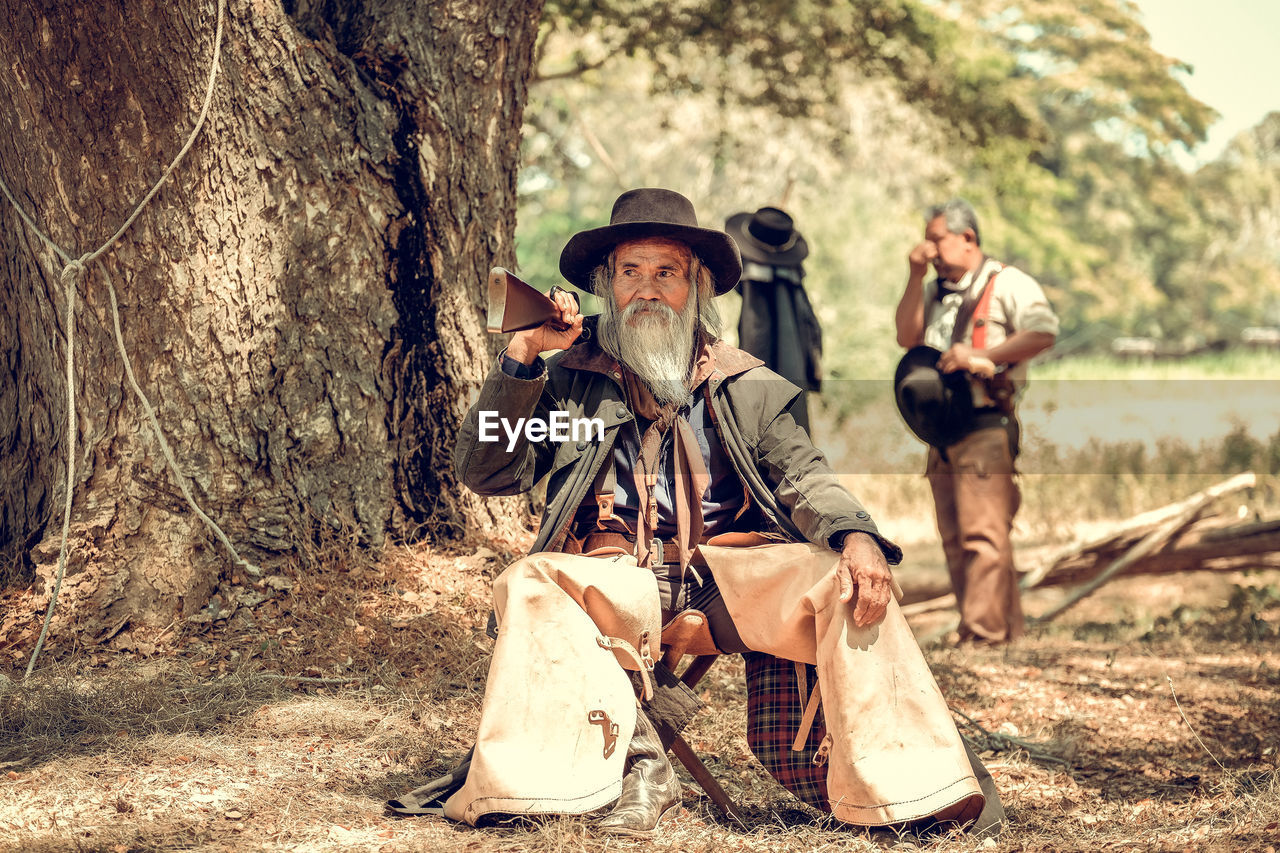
(60, 711)
(184, 749)
(1142, 719)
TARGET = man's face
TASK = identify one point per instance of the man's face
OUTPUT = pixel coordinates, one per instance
(654, 271)
(956, 253)
(651, 314)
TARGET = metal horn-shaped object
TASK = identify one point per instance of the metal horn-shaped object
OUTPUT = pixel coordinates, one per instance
(515, 305)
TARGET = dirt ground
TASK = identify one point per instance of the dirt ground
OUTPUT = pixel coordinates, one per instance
(1145, 718)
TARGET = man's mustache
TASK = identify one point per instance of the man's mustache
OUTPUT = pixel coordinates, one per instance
(658, 309)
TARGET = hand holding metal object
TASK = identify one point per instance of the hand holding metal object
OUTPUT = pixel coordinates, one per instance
(515, 306)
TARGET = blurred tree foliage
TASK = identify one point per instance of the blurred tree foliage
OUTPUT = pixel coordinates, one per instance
(787, 56)
(1057, 119)
(1238, 199)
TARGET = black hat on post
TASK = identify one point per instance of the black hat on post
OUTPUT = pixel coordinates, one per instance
(768, 236)
(937, 406)
(651, 212)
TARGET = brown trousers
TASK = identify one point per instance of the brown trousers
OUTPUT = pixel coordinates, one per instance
(976, 496)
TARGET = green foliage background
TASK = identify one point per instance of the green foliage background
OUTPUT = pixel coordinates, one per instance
(1058, 120)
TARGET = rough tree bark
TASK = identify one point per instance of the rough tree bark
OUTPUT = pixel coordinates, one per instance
(302, 300)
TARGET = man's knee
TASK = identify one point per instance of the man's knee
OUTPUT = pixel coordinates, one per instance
(528, 583)
(537, 565)
(526, 574)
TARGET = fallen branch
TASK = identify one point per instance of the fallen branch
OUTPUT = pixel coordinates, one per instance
(1152, 541)
(941, 602)
(308, 679)
(936, 635)
(1175, 538)
(1138, 526)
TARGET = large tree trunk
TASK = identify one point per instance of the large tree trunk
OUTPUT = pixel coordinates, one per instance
(302, 300)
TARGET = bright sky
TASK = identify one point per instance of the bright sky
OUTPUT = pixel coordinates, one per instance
(1233, 46)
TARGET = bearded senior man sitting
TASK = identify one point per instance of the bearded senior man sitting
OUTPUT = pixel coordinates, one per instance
(702, 493)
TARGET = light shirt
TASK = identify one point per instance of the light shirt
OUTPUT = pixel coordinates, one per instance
(1018, 304)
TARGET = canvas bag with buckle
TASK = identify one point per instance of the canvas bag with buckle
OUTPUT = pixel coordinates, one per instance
(559, 708)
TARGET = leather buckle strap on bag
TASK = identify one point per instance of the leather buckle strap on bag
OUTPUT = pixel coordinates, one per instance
(642, 660)
(609, 539)
(604, 489)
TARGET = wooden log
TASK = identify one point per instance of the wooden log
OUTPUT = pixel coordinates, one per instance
(1171, 539)
(1149, 544)
(1250, 552)
(1135, 529)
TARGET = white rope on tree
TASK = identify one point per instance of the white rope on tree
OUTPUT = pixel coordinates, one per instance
(79, 265)
(69, 280)
(155, 426)
(73, 269)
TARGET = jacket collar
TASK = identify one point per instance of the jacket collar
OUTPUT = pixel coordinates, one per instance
(731, 361)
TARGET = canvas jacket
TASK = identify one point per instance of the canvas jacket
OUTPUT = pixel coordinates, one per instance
(787, 477)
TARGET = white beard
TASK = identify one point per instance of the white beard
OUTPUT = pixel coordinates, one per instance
(653, 342)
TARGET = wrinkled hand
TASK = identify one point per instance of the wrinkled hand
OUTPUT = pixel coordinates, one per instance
(528, 345)
(864, 571)
(920, 257)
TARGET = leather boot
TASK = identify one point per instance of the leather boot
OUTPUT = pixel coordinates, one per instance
(650, 787)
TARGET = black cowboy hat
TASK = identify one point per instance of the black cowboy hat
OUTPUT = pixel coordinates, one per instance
(768, 236)
(651, 212)
(937, 406)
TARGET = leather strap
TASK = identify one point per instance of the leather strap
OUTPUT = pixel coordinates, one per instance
(609, 539)
(642, 662)
(810, 712)
(981, 312)
(968, 308)
(605, 488)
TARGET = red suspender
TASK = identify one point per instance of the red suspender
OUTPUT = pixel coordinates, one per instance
(980, 313)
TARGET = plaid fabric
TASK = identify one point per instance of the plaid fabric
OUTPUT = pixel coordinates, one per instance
(773, 720)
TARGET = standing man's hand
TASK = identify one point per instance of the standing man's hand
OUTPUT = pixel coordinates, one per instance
(526, 346)
(864, 572)
(921, 256)
(908, 319)
(966, 358)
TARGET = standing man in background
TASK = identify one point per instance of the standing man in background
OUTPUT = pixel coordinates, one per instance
(982, 320)
(777, 324)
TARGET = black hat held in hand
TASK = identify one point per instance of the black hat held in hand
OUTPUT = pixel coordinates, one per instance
(937, 406)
